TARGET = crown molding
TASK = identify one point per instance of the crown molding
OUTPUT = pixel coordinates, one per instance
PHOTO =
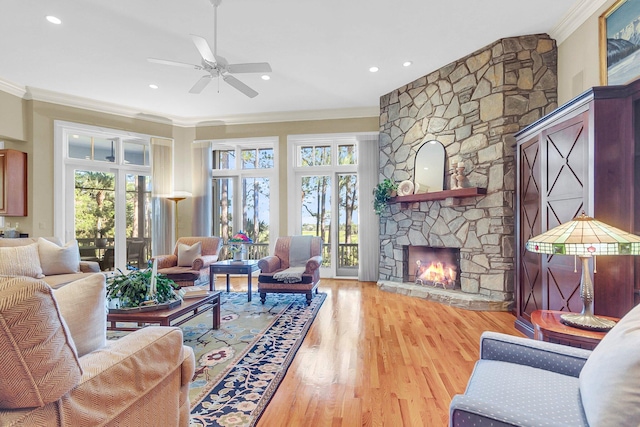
(12, 88)
(575, 16)
(287, 116)
(43, 95)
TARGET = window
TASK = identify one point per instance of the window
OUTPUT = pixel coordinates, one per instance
(104, 196)
(325, 177)
(244, 184)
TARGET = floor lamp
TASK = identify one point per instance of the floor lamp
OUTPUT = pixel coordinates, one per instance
(176, 197)
(585, 237)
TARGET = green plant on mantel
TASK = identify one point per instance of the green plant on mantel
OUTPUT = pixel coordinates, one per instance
(132, 288)
(382, 193)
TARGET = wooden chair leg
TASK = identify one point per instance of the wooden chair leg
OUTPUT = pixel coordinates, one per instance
(263, 297)
(309, 295)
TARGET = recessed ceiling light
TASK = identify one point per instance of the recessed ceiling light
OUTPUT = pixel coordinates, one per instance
(266, 77)
(54, 20)
(374, 69)
(152, 86)
(407, 63)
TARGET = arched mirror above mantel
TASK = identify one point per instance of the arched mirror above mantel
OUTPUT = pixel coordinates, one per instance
(428, 172)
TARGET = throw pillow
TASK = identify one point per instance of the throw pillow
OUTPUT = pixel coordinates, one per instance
(20, 261)
(82, 305)
(610, 377)
(187, 254)
(59, 260)
(39, 361)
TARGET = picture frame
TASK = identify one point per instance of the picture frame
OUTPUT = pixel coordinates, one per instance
(620, 43)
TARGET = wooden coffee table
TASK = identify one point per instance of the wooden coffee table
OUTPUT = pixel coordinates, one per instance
(190, 307)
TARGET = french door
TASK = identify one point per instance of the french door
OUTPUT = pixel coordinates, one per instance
(104, 200)
(327, 208)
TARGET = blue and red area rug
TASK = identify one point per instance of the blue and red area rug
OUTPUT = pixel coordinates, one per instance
(240, 366)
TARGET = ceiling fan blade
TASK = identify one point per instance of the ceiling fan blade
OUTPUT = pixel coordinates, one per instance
(240, 86)
(200, 84)
(256, 67)
(174, 63)
(203, 48)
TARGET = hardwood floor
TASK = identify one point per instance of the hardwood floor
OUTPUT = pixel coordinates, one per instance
(373, 358)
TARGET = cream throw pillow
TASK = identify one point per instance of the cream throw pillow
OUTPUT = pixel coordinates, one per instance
(82, 305)
(39, 361)
(609, 379)
(55, 259)
(187, 254)
(20, 261)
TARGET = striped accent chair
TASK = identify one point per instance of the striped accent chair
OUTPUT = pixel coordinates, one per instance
(193, 271)
(269, 280)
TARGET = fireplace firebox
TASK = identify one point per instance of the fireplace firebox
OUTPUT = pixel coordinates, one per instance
(431, 266)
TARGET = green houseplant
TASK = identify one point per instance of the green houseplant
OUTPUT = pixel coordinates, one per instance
(382, 193)
(132, 288)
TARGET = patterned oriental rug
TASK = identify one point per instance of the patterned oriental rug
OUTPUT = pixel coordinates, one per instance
(240, 366)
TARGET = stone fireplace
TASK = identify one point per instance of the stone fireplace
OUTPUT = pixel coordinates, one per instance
(473, 106)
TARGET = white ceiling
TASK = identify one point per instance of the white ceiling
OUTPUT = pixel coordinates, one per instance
(320, 51)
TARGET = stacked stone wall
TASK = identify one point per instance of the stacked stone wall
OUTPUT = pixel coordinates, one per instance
(474, 107)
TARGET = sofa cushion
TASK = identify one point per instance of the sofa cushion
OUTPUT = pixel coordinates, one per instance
(187, 254)
(39, 360)
(20, 261)
(610, 377)
(56, 259)
(82, 305)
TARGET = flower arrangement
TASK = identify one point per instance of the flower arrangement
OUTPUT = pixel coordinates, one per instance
(235, 244)
(240, 237)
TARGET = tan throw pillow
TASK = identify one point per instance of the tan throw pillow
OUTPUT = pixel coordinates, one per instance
(20, 261)
(187, 254)
(82, 305)
(610, 377)
(39, 361)
(55, 259)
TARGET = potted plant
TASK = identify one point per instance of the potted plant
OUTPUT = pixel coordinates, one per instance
(133, 289)
(382, 193)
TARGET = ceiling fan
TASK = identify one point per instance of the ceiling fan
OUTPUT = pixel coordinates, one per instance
(216, 65)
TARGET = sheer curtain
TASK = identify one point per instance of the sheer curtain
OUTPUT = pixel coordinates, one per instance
(201, 186)
(162, 183)
(369, 223)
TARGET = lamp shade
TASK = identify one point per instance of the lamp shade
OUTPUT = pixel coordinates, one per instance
(585, 236)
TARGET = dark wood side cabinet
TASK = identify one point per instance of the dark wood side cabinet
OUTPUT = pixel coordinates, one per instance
(585, 155)
(13, 183)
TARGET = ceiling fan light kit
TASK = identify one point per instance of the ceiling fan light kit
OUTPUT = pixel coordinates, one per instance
(216, 65)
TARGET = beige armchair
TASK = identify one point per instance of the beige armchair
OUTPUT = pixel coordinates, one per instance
(59, 370)
(189, 268)
(294, 267)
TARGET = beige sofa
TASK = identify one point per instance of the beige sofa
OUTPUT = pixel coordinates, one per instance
(58, 369)
(59, 265)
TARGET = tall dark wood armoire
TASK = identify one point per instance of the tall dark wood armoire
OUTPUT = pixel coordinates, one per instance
(585, 155)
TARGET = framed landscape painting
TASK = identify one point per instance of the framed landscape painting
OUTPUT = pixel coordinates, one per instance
(620, 43)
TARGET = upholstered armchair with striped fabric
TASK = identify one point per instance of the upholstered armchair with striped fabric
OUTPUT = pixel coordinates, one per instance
(189, 263)
(294, 267)
(58, 369)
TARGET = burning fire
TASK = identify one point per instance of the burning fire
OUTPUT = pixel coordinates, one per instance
(435, 274)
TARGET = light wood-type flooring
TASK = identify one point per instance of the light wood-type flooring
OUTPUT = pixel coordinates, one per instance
(373, 358)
